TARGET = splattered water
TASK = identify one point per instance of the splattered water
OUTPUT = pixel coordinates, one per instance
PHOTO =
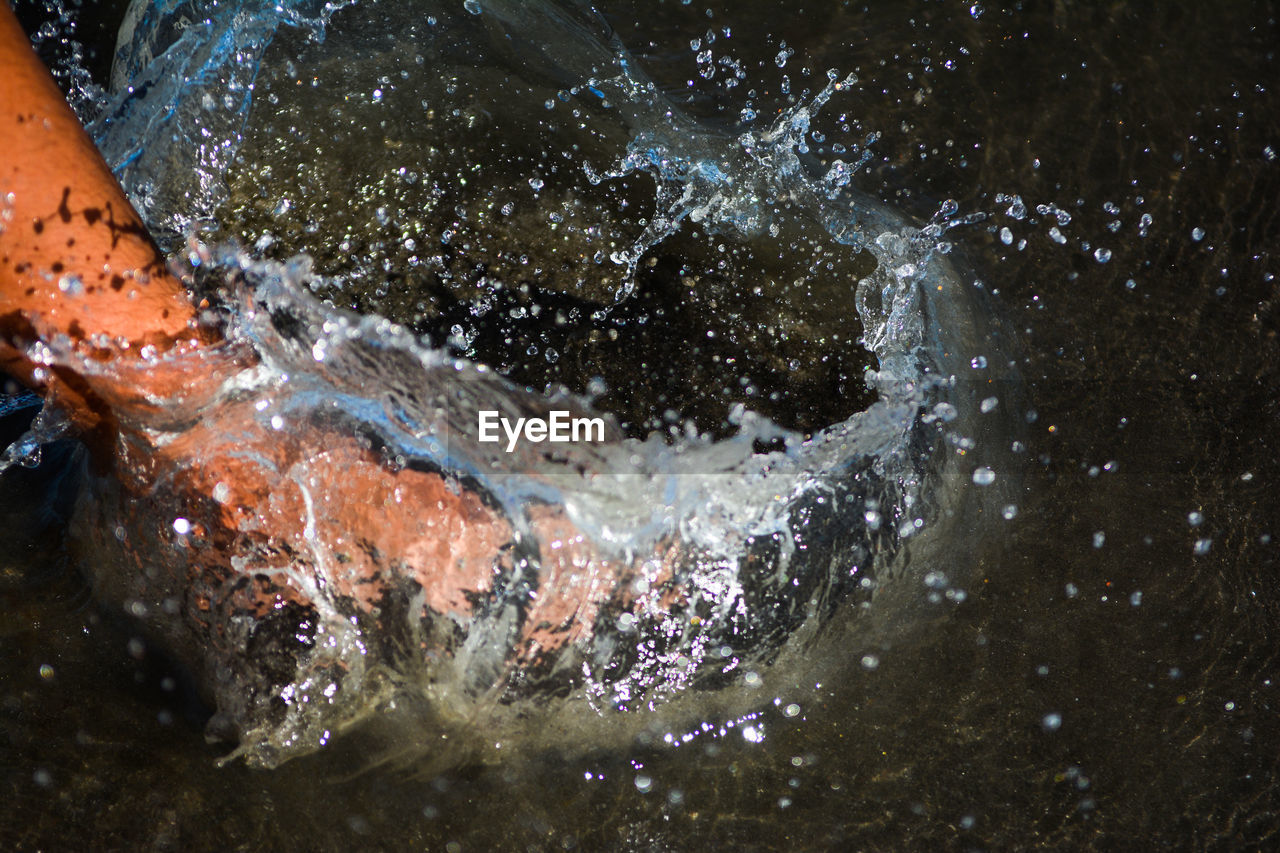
(737, 550)
(1106, 676)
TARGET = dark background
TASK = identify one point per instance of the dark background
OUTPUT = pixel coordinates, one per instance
(1154, 400)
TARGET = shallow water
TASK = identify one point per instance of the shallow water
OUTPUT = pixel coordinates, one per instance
(1106, 680)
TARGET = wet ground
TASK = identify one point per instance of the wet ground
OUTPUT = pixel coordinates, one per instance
(1109, 682)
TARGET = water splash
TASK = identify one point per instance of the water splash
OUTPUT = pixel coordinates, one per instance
(684, 563)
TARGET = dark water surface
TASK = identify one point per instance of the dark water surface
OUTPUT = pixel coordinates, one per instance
(1109, 682)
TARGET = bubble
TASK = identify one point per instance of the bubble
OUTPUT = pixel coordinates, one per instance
(984, 476)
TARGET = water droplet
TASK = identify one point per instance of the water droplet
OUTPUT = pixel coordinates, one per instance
(870, 661)
(989, 405)
(1197, 234)
(181, 526)
(1099, 539)
(1202, 547)
(1006, 236)
(472, 6)
(1195, 519)
(1135, 598)
(1102, 255)
(976, 10)
(1010, 512)
(791, 710)
(984, 476)
(1051, 721)
(644, 784)
(978, 362)
(536, 183)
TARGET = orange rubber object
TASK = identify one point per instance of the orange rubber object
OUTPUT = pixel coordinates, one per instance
(75, 260)
(76, 264)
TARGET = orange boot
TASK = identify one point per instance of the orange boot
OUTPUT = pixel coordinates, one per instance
(226, 518)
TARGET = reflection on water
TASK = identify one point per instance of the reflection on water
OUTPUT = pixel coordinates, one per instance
(1106, 675)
